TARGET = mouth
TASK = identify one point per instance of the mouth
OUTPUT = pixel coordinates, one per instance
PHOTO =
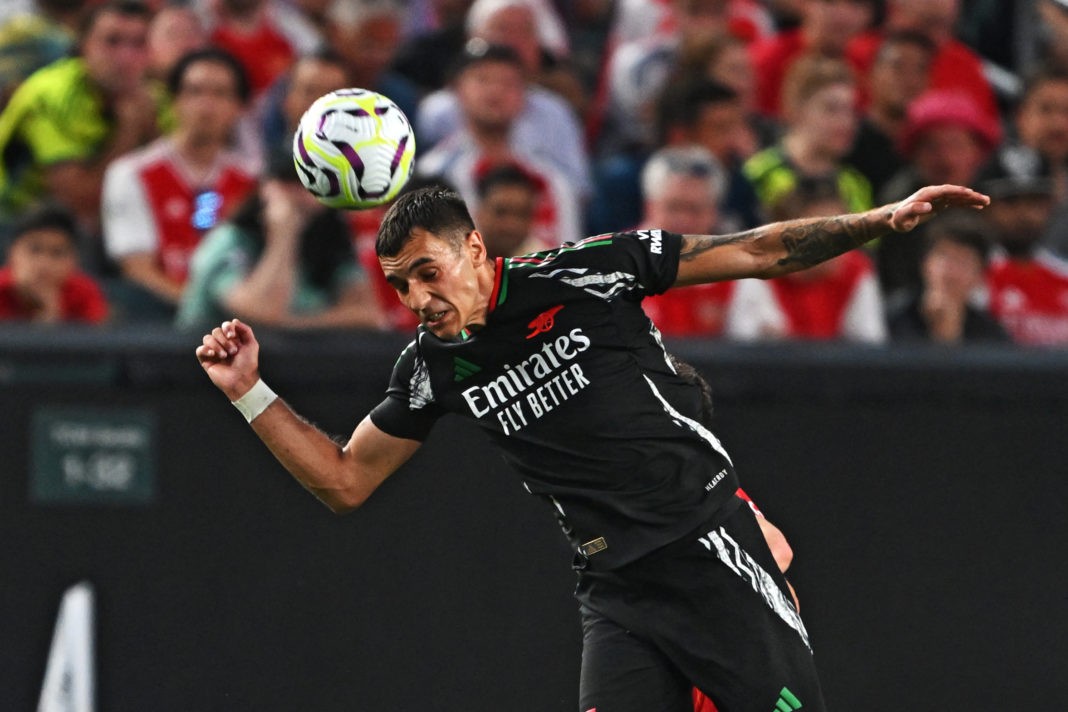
(434, 319)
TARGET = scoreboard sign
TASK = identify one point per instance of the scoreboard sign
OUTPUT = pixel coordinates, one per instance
(93, 456)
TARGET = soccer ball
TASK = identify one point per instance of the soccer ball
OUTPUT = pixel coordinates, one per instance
(354, 148)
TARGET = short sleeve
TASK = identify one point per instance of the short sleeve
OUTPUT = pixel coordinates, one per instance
(634, 264)
(408, 410)
(129, 226)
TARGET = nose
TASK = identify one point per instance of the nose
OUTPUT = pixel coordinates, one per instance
(418, 297)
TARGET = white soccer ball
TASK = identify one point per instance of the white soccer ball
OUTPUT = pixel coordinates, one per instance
(354, 148)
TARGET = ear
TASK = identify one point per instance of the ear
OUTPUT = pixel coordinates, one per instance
(476, 248)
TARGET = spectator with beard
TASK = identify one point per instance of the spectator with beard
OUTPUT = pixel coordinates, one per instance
(1028, 285)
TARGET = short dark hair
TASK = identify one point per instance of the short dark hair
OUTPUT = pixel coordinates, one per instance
(216, 56)
(126, 8)
(906, 37)
(479, 51)
(505, 174)
(46, 216)
(1039, 76)
(681, 104)
(436, 209)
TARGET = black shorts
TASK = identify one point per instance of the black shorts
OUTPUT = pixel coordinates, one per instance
(711, 612)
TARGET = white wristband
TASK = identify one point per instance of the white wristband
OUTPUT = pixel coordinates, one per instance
(255, 401)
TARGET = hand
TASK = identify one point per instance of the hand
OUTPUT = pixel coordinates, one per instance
(136, 114)
(284, 213)
(230, 357)
(927, 202)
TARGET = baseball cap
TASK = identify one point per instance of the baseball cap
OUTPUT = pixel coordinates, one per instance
(478, 50)
(1014, 172)
(942, 107)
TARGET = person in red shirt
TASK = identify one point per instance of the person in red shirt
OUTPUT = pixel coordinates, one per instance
(681, 188)
(955, 67)
(41, 281)
(827, 26)
(1028, 285)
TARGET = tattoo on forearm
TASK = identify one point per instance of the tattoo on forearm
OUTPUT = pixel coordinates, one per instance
(695, 245)
(810, 242)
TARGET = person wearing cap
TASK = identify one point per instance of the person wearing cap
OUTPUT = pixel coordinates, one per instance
(489, 85)
(546, 123)
(283, 260)
(946, 139)
(1028, 284)
(949, 308)
(41, 281)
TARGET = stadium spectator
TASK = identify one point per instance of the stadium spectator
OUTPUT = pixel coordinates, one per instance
(900, 73)
(835, 300)
(310, 77)
(1052, 44)
(265, 36)
(175, 31)
(1028, 285)
(826, 28)
(507, 203)
(691, 110)
(547, 125)
(1041, 123)
(489, 85)
(819, 109)
(283, 260)
(33, 38)
(425, 57)
(367, 36)
(159, 201)
(682, 186)
(955, 67)
(41, 281)
(69, 120)
(946, 138)
(949, 307)
(705, 113)
(637, 70)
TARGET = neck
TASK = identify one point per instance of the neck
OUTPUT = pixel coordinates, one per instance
(199, 152)
(806, 157)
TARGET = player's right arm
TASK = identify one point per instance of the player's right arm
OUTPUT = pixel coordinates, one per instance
(342, 477)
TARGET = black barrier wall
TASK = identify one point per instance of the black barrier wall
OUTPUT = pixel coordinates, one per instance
(923, 493)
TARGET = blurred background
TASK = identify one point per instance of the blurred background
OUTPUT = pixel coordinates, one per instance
(898, 411)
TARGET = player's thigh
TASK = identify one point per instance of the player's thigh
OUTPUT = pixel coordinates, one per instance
(623, 673)
(756, 658)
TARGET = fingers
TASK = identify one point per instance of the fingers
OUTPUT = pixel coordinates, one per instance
(223, 342)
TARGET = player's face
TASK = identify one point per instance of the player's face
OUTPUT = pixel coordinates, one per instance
(438, 280)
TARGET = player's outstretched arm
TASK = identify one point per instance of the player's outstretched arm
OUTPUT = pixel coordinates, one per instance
(342, 477)
(780, 248)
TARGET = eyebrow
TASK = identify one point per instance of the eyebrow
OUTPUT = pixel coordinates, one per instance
(392, 277)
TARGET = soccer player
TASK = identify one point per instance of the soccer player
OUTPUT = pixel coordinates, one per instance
(552, 355)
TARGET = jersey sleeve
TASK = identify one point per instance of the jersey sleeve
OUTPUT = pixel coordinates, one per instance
(633, 264)
(129, 226)
(408, 410)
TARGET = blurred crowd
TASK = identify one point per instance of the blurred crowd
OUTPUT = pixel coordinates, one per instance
(145, 169)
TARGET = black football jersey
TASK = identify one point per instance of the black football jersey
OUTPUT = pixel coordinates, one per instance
(570, 379)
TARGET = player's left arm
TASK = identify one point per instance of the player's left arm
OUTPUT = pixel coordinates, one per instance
(783, 247)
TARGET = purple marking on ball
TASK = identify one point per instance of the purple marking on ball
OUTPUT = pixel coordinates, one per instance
(303, 150)
(319, 133)
(397, 155)
(353, 158)
(381, 110)
(357, 113)
(335, 183)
